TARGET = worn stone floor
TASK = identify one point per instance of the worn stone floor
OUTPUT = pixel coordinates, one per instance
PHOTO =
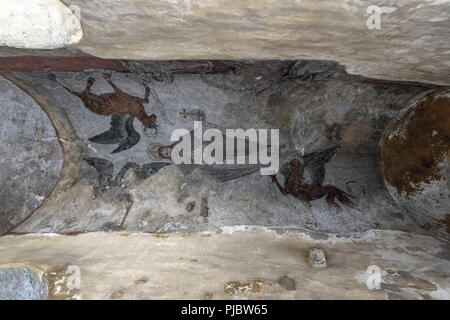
(230, 263)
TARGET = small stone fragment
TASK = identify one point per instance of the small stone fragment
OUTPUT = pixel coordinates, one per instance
(317, 257)
(287, 283)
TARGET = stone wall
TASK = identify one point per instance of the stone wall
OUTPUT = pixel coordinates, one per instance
(412, 43)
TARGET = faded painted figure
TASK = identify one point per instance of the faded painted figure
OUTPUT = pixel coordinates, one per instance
(306, 192)
(121, 106)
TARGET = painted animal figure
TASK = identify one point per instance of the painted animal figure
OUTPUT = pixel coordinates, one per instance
(121, 106)
(118, 102)
(307, 192)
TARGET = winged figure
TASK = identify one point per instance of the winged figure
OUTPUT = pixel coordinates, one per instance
(105, 169)
(313, 164)
(122, 132)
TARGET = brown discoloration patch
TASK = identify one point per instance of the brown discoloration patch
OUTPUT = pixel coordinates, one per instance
(191, 260)
(219, 231)
(58, 279)
(161, 236)
(141, 281)
(236, 288)
(205, 235)
(124, 234)
(355, 134)
(417, 143)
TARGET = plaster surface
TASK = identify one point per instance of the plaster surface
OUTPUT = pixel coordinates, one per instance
(232, 263)
(31, 156)
(314, 109)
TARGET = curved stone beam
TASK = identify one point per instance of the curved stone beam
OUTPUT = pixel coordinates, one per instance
(31, 157)
(63, 128)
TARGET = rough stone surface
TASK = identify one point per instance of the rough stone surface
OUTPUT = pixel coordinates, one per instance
(21, 284)
(38, 24)
(235, 263)
(411, 44)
